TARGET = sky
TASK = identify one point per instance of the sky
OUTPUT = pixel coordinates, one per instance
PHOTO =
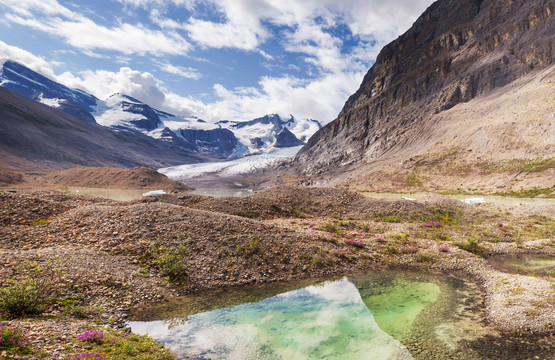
(214, 59)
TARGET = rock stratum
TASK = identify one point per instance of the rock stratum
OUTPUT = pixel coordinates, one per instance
(471, 77)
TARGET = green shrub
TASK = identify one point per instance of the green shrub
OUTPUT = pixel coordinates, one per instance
(32, 294)
(472, 246)
(41, 222)
(330, 228)
(80, 311)
(389, 219)
(171, 263)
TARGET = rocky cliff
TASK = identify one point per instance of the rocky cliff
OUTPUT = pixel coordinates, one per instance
(455, 52)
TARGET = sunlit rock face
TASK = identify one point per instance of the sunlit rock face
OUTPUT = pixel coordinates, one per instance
(456, 51)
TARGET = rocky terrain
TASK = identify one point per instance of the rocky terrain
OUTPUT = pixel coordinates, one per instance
(468, 89)
(113, 256)
(114, 178)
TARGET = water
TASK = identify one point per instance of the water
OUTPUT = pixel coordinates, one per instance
(524, 264)
(370, 316)
(112, 194)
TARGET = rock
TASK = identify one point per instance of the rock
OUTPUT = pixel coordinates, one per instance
(456, 51)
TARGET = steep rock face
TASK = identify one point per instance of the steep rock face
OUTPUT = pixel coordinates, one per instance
(287, 139)
(456, 51)
(217, 141)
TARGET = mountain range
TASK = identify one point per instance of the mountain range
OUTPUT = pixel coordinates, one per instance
(126, 115)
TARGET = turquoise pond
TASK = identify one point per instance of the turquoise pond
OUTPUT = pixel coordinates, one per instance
(386, 315)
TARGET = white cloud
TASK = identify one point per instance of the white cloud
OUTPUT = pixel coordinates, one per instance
(83, 33)
(186, 72)
(141, 85)
(227, 35)
(33, 62)
(306, 28)
(318, 99)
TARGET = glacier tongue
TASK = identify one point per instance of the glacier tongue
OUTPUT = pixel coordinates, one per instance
(241, 166)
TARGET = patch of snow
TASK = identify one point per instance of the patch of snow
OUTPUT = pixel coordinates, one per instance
(55, 102)
(244, 165)
(116, 99)
(473, 201)
(176, 123)
(303, 128)
(117, 116)
(155, 192)
(248, 133)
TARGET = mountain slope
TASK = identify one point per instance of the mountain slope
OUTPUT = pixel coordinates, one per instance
(35, 136)
(455, 52)
(24, 81)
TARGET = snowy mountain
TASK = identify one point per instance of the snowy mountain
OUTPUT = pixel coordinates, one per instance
(24, 81)
(225, 139)
(272, 131)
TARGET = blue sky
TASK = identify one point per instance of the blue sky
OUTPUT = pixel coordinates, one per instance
(215, 59)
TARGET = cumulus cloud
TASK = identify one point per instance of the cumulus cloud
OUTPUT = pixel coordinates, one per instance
(83, 33)
(319, 99)
(33, 62)
(141, 85)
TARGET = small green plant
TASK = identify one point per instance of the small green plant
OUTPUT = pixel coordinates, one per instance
(80, 311)
(252, 247)
(389, 218)
(330, 228)
(111, 344)
(246, 214)
(13, 339)
(472, 246)
(390, 249)
(171, 263)
(297, 214)
(424, 257)
(41, 222)
(31, 294)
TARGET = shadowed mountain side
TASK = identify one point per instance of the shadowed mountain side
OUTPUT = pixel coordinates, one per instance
(37, 137)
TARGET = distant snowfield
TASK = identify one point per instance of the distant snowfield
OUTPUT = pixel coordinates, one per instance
(241, 166)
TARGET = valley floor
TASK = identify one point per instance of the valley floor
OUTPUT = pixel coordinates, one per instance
(96, 260)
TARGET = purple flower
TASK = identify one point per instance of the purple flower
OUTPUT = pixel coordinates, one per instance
(432, 224)
(409, 249)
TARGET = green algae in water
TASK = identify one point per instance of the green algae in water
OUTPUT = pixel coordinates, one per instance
(536, 264)
(397, 305)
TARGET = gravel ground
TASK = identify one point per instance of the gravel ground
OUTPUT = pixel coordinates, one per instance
(105, 249)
